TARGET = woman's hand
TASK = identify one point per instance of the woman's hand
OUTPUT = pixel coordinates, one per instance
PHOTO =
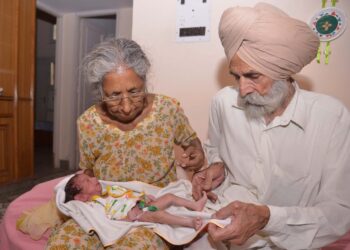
(193, 157)
(246, 220)
(207, 180)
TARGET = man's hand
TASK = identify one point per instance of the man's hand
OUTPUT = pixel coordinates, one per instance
(246, 220)
(193, 157)
(207, 180)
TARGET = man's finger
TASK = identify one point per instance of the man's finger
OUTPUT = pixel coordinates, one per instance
(219, 234)
(224, 212)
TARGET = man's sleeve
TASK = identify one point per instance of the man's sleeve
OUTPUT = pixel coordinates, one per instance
(211, 146)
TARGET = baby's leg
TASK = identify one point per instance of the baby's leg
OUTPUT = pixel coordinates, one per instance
(164, 217)
(168, 200)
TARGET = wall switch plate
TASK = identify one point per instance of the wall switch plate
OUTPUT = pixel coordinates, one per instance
(192, 20)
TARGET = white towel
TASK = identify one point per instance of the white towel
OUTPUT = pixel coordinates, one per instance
(93, 218)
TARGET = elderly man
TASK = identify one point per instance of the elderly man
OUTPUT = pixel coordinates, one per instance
(284, 152)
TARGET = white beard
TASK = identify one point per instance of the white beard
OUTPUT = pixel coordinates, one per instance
(257, 106)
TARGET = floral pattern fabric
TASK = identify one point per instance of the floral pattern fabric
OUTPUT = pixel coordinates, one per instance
(70, 236)
(145, 153)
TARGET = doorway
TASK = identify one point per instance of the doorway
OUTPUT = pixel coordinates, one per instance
(92, 30)
(44, 93)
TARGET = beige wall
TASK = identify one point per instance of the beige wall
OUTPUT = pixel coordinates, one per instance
(193, 72)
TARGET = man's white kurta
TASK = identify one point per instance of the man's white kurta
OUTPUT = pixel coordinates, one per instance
(298, 165)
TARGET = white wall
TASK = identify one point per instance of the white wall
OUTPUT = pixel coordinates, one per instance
(193, 72)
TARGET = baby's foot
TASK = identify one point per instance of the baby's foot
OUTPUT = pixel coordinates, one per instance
(197, 223)
(201, 202)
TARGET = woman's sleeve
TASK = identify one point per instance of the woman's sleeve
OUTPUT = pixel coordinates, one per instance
(87, 158)
(184, 133)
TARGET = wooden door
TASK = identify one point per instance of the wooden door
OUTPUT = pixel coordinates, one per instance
(6, 149)
(17, 34)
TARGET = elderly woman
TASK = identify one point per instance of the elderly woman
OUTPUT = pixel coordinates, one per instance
(129, 135)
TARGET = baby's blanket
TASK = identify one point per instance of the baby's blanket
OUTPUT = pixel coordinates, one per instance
(109, 231)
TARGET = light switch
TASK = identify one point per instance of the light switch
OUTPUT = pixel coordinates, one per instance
(193, 20)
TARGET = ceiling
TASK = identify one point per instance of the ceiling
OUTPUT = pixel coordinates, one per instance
(68, 6)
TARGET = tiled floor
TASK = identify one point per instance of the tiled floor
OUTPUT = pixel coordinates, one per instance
(44, 171)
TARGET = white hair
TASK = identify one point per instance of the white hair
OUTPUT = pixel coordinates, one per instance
(112, 55)
(256, 105)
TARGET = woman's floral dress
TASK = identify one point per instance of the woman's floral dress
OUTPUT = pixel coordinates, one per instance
(144, 153)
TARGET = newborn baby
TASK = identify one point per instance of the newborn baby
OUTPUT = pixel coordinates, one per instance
(122, 204)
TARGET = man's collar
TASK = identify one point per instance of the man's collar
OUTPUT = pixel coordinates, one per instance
(295, 111)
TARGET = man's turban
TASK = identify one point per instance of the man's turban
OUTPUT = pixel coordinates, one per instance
(267, 39)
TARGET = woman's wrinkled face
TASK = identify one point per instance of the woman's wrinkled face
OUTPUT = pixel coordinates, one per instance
(124, 96)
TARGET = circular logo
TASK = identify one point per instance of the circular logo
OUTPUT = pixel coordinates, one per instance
(328, 23)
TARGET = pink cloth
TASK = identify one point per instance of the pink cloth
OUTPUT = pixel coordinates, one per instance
(10, 237)
(341, 244)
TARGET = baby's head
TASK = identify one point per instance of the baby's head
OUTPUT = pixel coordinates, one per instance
(82, 187)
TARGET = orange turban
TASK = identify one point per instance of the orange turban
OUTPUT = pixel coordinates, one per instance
(268, 40)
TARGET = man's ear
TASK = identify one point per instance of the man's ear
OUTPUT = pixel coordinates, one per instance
(81, 197)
